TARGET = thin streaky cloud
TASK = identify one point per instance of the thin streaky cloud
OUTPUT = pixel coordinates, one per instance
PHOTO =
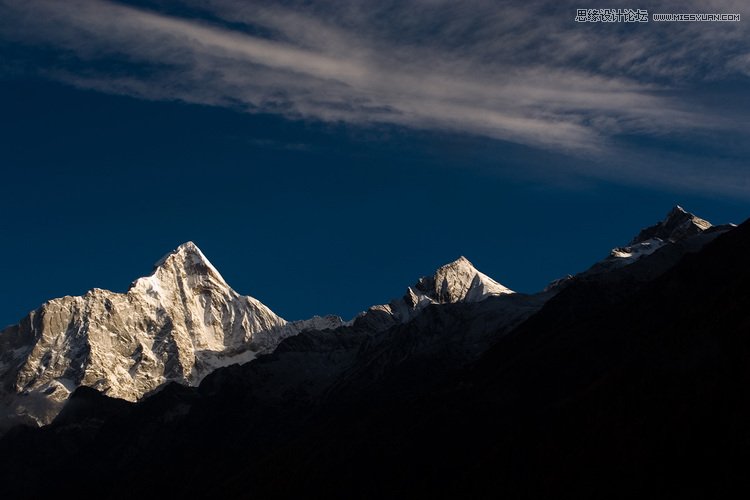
(527, 75)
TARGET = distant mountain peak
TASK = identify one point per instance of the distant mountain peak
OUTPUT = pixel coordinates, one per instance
(186, 264)
(187, 249)
(460, 281)
(461, 260)
(188, 254)
(677, 209)
(460, 264)
(457, 281)
(676, 226)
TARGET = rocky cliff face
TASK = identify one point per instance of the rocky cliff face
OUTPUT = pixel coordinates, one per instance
(178, 324)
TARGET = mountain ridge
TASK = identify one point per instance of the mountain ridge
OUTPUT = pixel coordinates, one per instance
(179, 323)
(183, 321)
(678, 228)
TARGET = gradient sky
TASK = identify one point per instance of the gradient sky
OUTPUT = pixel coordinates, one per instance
(326, 154)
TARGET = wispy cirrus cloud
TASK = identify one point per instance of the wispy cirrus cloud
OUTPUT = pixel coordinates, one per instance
(526, 74)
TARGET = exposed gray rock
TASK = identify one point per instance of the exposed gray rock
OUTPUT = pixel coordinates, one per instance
(178, 324)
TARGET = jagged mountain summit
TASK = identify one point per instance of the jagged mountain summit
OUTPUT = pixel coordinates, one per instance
(678, 228)
(458, 281)
(177, 324)
(678, 225)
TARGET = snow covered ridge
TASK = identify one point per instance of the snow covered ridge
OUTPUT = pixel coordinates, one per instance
(458, 281)
(178, 324)
(678, 226)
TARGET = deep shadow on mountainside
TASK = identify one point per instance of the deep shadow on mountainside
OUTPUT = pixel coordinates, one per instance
(628, 383)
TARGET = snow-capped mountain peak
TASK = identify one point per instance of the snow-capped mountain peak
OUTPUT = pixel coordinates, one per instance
(677, 225)
(179, 323)
(457, 281)
(185, 264)
(189, 257)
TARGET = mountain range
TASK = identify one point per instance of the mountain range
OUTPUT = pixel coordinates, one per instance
(178, 324)
(623, 379)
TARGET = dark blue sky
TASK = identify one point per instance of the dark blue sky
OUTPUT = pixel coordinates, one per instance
(314, 213)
